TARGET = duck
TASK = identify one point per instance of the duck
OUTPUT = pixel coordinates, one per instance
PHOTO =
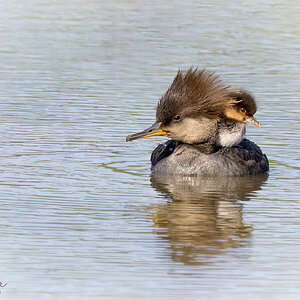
(191, 114)
(232, 125)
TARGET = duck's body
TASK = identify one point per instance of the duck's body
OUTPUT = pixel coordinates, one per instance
(206, 128)
(244, 159)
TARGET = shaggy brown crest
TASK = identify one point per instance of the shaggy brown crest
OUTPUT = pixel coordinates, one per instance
(194, 93)
(244, 100)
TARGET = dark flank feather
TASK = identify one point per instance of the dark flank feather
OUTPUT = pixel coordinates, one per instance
(162, 151)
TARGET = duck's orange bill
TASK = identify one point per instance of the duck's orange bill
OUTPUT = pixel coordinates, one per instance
(153, 130)
(253, 121)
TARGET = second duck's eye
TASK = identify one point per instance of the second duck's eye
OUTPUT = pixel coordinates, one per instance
(177, 118)
(243, 110)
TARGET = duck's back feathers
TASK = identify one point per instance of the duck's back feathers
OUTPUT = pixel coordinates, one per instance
(246, 158)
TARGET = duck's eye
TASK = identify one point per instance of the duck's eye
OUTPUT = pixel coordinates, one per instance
(243, 110)
(177, 118)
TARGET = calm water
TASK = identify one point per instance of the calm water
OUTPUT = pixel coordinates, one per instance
(80, 215)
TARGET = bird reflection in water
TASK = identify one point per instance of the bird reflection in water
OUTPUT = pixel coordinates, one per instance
(203, 216)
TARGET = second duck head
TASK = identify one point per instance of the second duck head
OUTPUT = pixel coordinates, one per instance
(243, 108)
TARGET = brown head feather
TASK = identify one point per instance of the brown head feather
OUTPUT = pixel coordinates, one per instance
(193, 93)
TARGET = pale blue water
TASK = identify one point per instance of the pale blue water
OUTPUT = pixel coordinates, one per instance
(79, 216)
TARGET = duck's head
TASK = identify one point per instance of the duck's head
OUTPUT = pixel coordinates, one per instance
(189, 110)
(243, 108)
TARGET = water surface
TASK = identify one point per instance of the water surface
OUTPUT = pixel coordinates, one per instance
(80, 215)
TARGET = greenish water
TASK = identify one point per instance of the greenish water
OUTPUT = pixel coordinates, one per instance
(80, 215)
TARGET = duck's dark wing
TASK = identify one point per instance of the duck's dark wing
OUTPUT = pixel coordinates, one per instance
(249, 156)
(162, 151)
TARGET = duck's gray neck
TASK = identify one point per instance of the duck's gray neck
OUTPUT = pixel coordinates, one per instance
(209, 145)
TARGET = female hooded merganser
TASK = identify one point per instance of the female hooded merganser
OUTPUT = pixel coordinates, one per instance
(189, 113)
(232, 127)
